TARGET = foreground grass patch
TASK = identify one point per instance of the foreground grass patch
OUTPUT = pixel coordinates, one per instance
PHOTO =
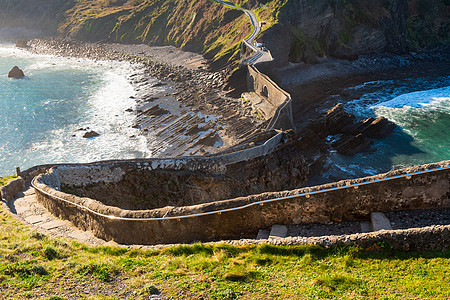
(5, 180)
(33, 265)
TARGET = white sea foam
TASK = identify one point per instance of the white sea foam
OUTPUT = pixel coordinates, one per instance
(43, 114)
(417, 99)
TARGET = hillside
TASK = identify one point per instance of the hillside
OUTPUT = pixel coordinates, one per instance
(295, 30)
(306, 30)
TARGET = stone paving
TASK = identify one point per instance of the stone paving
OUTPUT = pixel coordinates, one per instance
(26, 207)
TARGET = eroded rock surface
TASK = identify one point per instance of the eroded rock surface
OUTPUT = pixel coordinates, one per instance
(16, 73)
(351, 137)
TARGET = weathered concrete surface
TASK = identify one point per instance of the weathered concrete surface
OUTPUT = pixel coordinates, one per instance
(278, 231)
(426, 190)
(263, 234)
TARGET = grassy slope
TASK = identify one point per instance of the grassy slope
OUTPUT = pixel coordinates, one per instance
(35, 266)
(202, 26)
(4, 181)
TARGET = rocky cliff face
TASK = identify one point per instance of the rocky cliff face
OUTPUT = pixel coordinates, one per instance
(44, 16)
(200, 26)
(309, 29)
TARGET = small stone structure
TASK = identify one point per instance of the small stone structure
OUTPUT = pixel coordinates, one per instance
(412, 188)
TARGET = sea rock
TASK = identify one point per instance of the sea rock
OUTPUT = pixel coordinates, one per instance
(90, 134)
(16, 73)
(22, 44)
(332, 122)
(351, 137)
(379, 128)
(350, 145)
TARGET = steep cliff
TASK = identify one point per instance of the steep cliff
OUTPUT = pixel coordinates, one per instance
(201, 26)
(308, 29)
(44, 16)
(294, 30)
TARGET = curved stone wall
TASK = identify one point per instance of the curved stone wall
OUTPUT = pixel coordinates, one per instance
(412, 188)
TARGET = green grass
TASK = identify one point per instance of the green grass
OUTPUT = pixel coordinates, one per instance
(34, 265)
(5, 180)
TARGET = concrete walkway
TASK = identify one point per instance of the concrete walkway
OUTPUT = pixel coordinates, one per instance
(26, 207)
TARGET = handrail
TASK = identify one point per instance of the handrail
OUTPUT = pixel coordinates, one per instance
(277, 114)
(240, 207)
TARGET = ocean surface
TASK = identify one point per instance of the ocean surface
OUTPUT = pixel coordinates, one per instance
(420, 107)
(42, 114)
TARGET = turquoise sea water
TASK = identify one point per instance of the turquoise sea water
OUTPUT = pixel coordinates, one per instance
(40, 116)
(420, 107)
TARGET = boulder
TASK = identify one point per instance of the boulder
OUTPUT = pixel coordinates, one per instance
(90, 134)
(379, 128)
(22, 44)
(332, 122)
(16, 73)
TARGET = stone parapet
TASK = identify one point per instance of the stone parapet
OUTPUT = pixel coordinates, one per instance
(273, 96)
(420, 187)
(9, 191)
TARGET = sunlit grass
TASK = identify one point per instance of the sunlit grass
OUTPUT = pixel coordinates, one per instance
(34, 264)
(5, 180)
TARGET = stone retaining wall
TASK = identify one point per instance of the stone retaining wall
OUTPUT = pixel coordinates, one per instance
(270, 92)
(344, 201)
(9, 191)
(213, 162)
(419, 239)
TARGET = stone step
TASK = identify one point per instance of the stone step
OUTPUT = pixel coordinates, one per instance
(380, 222)
(278, 231)
(263, 234)
(366, 227)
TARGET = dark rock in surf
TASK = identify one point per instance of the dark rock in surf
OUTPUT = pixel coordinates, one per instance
(16, 73)
(90, 134)
(22, 44)
(351, 137)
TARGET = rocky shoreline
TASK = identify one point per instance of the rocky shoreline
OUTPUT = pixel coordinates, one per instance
(180, 109)
(312, 84)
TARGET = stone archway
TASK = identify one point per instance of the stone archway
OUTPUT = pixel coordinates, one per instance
(265, 92)
(251, 83)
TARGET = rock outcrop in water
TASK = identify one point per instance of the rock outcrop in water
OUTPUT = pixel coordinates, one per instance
(90, 134)
(22, 44)
(350, 137)
(16, 73)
